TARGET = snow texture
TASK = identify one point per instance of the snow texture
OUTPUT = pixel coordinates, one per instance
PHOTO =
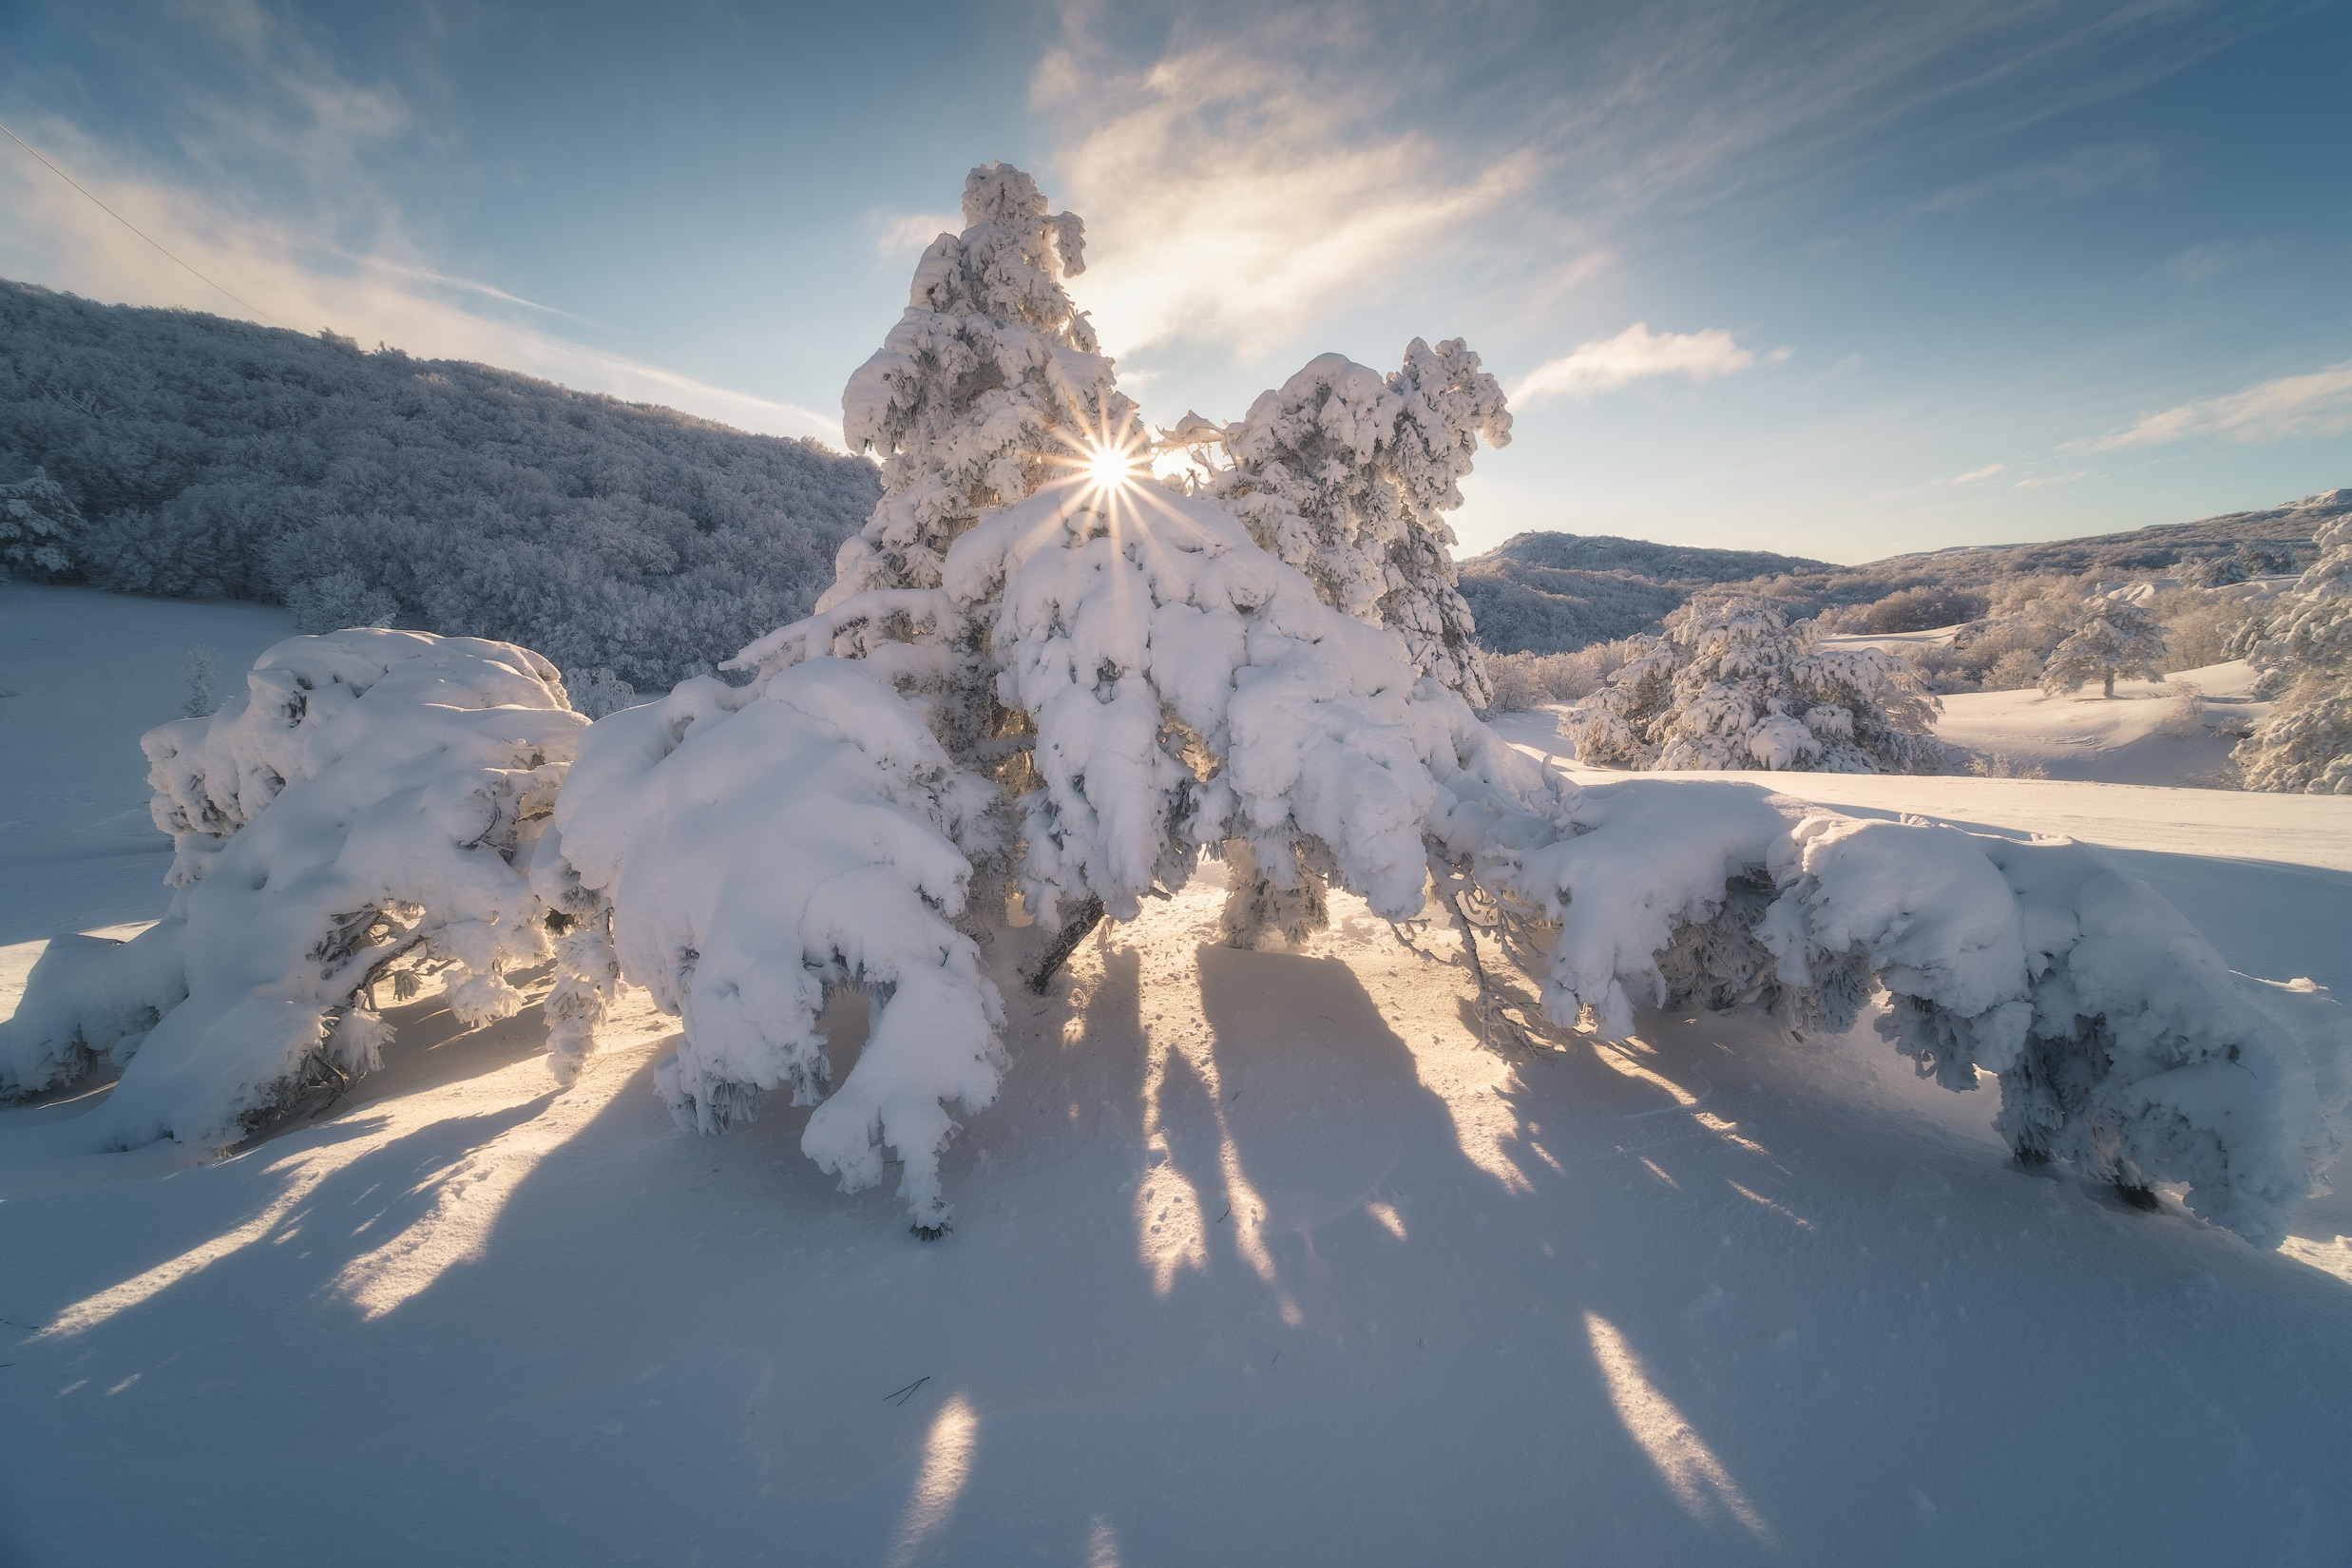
(356, 809)
(1733, 685)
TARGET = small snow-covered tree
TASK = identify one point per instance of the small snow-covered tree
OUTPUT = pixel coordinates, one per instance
(353, 817)
(38, 524)
(2113, 638)
(1732, 684)
(2304, 654)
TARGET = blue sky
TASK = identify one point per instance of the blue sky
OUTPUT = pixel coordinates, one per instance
(1838, 279)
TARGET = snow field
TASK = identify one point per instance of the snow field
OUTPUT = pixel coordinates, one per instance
(1261, 1257)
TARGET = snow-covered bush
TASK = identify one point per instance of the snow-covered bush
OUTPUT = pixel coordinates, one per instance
(2113, 638)
(354, 813)
(2202, 626)
(1924, 608)
(1524, 680)
(38, 524)
(2015, 671)
(2121, 1040)
(1732, 684)
(2304, 652)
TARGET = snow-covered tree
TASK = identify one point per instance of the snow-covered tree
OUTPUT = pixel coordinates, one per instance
(1042, 673)
(350, 820)
(2304, 652)
(2113, 638)
(1346, 475)
(1733, 684)
(38, 524)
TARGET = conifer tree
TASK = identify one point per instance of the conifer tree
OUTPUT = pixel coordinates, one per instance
(1732, 684)
(2113, 638)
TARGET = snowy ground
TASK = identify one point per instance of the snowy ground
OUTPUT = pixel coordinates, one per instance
(2148, 732)
(1263, 1258)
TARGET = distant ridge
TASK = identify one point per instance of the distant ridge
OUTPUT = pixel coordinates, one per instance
(1557, 592)
(1665, 563)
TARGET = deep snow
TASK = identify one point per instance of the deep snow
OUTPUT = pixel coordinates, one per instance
(1262, 1257)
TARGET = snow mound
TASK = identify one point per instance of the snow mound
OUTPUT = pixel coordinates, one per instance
(358, 807)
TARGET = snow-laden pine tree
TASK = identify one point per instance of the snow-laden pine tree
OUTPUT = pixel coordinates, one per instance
(1732, 684)
(1347, 476)
(2113, 638)
(2304, 652)
(38, 523)
(1039, 662)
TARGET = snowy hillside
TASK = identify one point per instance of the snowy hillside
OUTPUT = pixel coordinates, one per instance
(1558, 592)
(1262, 1257)
(203, 456)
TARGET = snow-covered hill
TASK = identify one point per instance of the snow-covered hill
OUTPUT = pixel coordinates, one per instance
(1262, 1258)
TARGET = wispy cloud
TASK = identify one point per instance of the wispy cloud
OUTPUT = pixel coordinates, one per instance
(2202, 263)
(2291, 407)
(2079, 173)
(284, 206)
(2074, 477)
(1231, 196)
(1637, 355)
(1978, 475)
(1253, 171)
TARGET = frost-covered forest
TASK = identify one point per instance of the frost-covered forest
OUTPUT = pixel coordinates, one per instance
(200, 456)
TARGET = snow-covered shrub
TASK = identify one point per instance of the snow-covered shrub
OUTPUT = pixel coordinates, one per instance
(2304, 652)
(359, 808)
(2113, 638)
(1732, 684)
(2015, 670)
(2121, 1040)
(1923, 609)
(39, 525)
(2201, 626)
(2001, 765)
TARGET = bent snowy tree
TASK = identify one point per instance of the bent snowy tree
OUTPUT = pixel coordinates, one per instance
(1047, 682)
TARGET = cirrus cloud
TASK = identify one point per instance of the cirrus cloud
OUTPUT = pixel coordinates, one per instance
(2290, 408)
(1637, 355)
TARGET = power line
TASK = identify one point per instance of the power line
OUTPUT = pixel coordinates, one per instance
(133, 227)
